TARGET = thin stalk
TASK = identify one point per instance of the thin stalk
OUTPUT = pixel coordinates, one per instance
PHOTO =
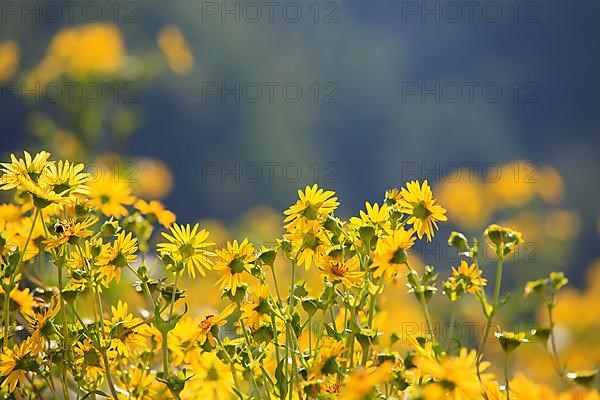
(506, 377)
(555, 355)
(488, 324)
(6, 317)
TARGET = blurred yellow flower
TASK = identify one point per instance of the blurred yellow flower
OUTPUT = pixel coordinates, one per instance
(82, 51)
(176, 50)
(9, 59)
(110, 195)
(465, 201)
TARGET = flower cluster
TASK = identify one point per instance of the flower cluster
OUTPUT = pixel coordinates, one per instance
(67, 241)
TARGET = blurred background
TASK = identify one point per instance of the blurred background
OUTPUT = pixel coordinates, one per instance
(223, 109)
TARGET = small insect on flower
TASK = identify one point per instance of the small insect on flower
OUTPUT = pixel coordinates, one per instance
(423, 211)
(70, 229)
(211, 321)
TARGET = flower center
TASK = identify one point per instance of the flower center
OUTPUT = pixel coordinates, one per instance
(186, 250)
(338, 269)
(421, 211)
(311, 212)
(237, 266)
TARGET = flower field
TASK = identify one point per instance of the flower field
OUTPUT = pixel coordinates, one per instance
(107, 295)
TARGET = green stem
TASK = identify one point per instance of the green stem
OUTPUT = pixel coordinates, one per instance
(555, 355)
(506, 377)
(166, 372)
(8, 291)
(488, 324)
(109, 380)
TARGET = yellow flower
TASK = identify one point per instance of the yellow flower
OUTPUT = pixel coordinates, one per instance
(458, 375)
(41, 326)
(362, 381)
(176, 50)
(66, 230)
(140, 382)
(23, 173)
(188, 245)
(211, 321)
(232, 262)
(468, 277)
(22, 299)
(65, 178)
(127, 333)
(117, 255)
(308, 245)
(78, 52)
(418, 202)
(337, 270)
(325, 362)
(375, 215)
(89, 361)
(9, 59)
(213, 380)
(313, 206)
(391, 253)
(13, 365)
(156, 210)
(110, 195)
(256, 308)
(503, 239)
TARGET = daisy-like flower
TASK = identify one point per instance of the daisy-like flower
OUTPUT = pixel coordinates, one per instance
(313, 206)
(256, 308)
(21, 299)
(65, 178)
(375, 216)
(14, 364)
(232, 261)
(23, 171)
(140, 382)
(188, 246)
(338, 270)
(465, 279)
(117, 255)
(423, 211)
(325, 362)
(456, 374)
(183, 341)
(391, 253)
(308, 245)
(211, 321)
(213, 380)
(89, 361)
(127, 333)
(110, 195)
(156, 211)
(362, 381)
(70, 229)
(40, 322)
